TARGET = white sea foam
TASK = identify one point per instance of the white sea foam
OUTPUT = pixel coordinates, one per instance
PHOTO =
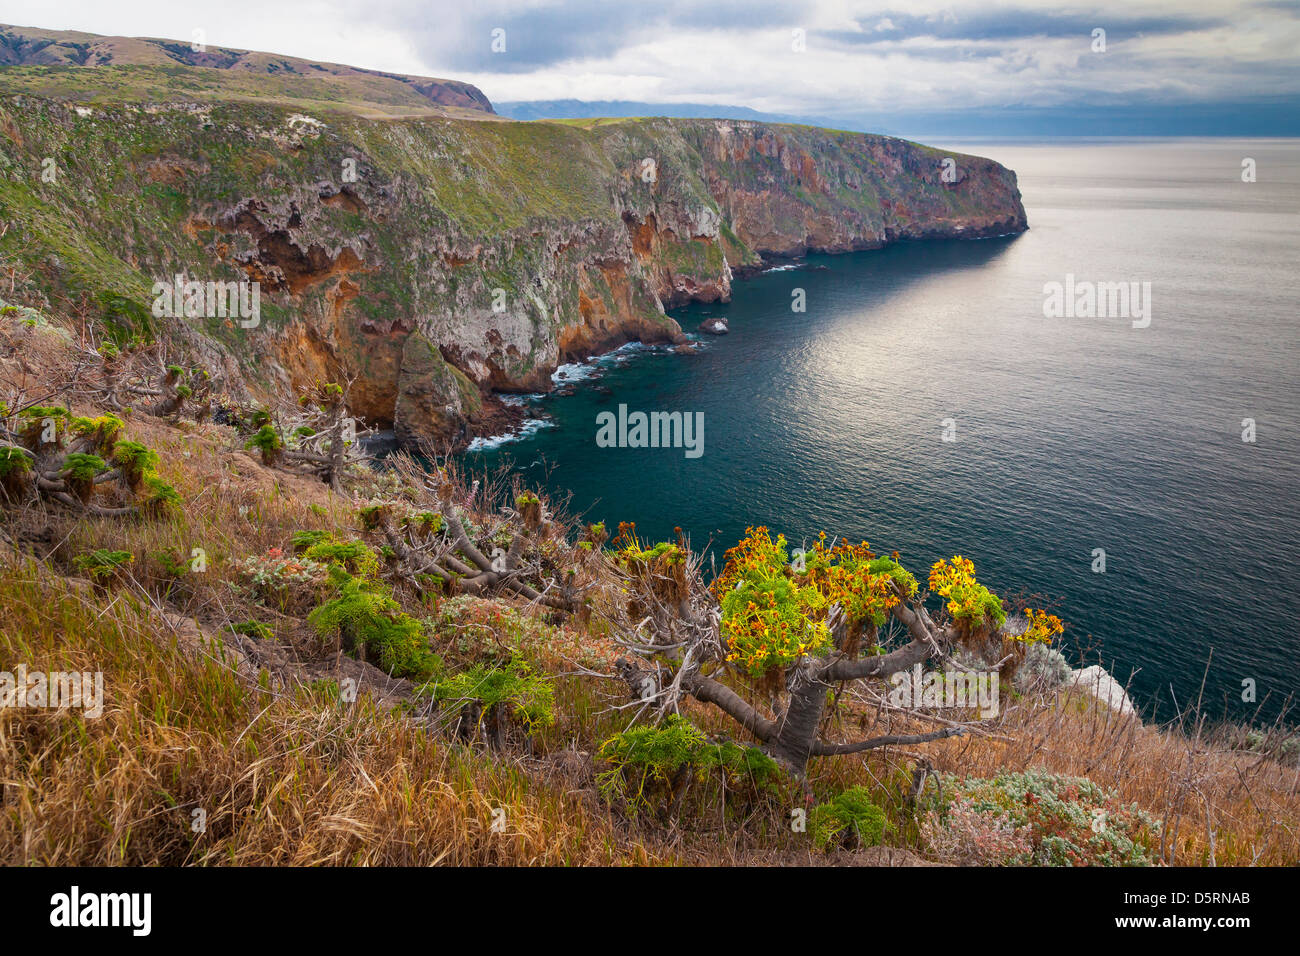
(572, 372)
(528, 427)
(519, 401)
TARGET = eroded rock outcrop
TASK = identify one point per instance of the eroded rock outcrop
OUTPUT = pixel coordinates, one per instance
(437, 262)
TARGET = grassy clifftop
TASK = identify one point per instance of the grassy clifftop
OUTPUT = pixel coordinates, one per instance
(131, 70)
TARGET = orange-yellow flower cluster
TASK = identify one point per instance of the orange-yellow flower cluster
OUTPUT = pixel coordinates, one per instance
(969, 602)
(768, 619)
(851, 576)
(1042, 627)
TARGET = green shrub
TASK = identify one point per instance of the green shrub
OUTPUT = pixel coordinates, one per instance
(159, 497)
(173, 564)
(267, 440)
(355, 557)
(427, 522)
(649, 765)
(45, 411)
(302, 540)
(79, 472)
(134, 460)
(529, 697)
(850, 818)
(103, 564)
(15, 466)
(103, 431)
(79, 467)
(364, 614)
(255, 629)
(33, 424)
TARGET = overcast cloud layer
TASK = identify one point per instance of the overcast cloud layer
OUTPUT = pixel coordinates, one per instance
(858, 58)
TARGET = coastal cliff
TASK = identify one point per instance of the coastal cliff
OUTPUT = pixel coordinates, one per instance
(433, 261)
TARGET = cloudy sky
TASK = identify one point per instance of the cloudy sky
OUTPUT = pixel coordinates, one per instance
(831, 59)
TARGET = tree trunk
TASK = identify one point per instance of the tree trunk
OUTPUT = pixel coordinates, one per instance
(797, 729)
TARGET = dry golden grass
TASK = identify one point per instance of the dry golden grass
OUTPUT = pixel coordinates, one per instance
(283, 778)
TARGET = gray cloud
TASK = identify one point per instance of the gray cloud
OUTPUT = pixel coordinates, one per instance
(543, 36)
(875, 57)
(1012, 24)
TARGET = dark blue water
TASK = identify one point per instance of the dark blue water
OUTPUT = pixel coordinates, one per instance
(1071, 434)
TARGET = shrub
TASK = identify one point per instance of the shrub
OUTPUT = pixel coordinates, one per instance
(1043, 670)
(302, 540)
(160, 497)
(649, 766)
(103, 431)
(45, 411)
(79, 472)
(1064, 821)
(15, 466)
(254, 629)
(134, 460)
(173, 564)
(103, 564)
(864, 585)
(1042, 628)
(849, 818)
(267, 440)
(969, 602)
(364, 615)
(970, 836)
(427, 522)
(528, 697)
(355, 557)
(769, 620)
(286, 580)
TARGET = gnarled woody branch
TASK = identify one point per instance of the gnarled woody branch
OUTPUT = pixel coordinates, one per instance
(687, 633)
(451, 555)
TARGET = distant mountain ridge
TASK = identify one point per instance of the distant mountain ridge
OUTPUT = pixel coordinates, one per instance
(594, 109)
(33, 47)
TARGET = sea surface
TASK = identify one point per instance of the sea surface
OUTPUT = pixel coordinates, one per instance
(1072, 434)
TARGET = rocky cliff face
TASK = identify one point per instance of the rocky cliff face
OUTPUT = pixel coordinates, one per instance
(437, 261)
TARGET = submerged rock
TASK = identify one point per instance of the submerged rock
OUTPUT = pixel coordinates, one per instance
(715, 325)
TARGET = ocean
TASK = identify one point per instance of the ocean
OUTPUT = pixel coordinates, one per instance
(932, 400)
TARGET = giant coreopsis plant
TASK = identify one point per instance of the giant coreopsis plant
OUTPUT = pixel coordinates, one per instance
(787, 632)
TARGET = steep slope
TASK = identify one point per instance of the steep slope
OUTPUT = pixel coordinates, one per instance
(434, 261)
(140, 65)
